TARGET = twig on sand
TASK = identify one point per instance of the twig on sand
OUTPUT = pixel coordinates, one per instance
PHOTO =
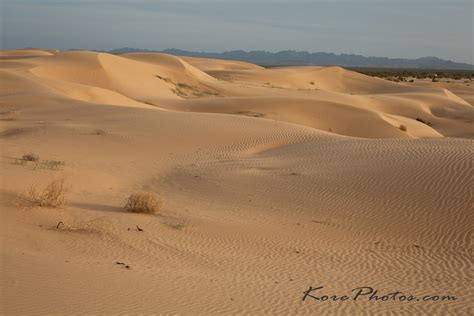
(320, 222)
(123, 264)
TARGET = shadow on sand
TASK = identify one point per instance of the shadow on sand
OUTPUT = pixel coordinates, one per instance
(98, 207)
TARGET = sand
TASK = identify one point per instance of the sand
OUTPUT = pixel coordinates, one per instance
(273, 180)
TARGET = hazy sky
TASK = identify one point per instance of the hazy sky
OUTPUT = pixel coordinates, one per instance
(392, 28)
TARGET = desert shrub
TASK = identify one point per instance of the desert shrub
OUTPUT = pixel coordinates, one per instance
(167, 80)
(143, 202)
(183, 86)
(403, 128)
(10, 115)
(51, 164)
(99, 132)
(31, 157)
(53, 195)
(423, 121)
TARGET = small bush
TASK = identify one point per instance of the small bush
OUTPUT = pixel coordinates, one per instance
(51, 196)
(31, 157)
(51, 164)
(11, 115)
(99, 132)
(143, 202)
(403, 128)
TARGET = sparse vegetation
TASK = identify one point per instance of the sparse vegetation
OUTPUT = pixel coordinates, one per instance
(423, 121)
(168, 80)
(143, 202)
(53, 195)
(51, 164)
(183, 86)
(31, 157)
(177, 226)
(9, 115)
(403, 128)
(294, 173)
(401, 75)
(250, 113)
(187, 91)
(99, 132)
(39, 164)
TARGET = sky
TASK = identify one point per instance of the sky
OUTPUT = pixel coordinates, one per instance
(389, 28)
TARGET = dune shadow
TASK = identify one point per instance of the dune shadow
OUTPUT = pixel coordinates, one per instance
(98, 207)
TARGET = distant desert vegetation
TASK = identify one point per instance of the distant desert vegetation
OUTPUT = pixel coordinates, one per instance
(145, 183)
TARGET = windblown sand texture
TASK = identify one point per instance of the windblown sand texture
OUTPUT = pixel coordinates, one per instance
(272, 180)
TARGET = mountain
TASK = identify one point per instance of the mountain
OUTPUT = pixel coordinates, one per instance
(291, 57)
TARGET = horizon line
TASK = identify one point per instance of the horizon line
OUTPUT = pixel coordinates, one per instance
(241, 50)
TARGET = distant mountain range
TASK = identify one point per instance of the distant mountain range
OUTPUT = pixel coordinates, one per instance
(293, 58)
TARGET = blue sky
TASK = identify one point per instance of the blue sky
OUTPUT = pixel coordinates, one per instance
(392, 28)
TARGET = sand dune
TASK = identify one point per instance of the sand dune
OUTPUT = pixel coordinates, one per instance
(270, 184)
(206, 64)
(334, 79)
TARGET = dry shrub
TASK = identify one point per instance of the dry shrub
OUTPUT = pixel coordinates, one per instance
(403, 128)
(31, 157)
(53, 195)
(9, 115)
(424, 121)
(143, 202)
(99, 132)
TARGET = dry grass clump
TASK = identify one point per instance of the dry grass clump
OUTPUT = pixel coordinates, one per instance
(403, 128)
(53, 195)
(143, 202)
(99, 132)
(31, 157)
(9, 115)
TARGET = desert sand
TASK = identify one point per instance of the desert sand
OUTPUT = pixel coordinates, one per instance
(272, 180)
